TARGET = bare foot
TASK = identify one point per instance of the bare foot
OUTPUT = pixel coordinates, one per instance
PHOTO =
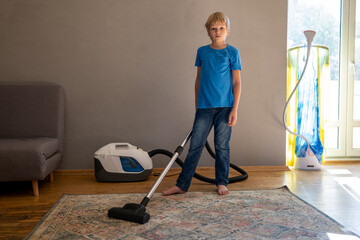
(222, 190)
(173, 190)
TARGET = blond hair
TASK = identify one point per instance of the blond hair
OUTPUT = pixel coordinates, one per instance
(217, 17)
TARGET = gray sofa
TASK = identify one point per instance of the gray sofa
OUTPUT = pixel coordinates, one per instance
(31, 131)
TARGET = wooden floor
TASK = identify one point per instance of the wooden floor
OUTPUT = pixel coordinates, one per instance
(335, 190)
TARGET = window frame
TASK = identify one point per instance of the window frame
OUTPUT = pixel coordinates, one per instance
(345, 123)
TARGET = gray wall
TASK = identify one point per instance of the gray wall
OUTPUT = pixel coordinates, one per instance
(127, 67)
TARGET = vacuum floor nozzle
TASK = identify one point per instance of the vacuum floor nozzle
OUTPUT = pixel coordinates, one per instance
(132, 212)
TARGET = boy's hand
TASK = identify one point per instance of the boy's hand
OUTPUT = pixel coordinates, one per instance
(232, 118)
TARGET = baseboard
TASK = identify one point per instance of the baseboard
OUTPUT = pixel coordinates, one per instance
(265, 168)
(74, 172)
(329, 162)
(78, 172)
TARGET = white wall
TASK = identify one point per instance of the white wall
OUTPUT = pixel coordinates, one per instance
(127, 67)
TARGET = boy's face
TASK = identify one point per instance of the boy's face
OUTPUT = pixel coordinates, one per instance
(218, 32)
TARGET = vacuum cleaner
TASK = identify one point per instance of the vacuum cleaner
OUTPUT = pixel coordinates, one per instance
(135, 212)
(310, 161)
(122, 162)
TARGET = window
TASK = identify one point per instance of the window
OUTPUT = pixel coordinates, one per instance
(337, 23)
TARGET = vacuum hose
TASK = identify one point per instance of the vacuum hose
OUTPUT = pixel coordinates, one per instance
(239, 178)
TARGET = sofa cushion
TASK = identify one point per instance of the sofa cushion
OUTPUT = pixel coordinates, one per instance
(28, 157)
(31, 110)
(21, 148)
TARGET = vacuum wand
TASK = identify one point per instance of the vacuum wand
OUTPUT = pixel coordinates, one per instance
(177, 153)
(136, 212)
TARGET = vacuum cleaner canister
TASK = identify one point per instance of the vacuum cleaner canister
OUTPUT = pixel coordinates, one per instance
(122, 162)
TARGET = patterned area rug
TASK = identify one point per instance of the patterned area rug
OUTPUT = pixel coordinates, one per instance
(258, 214)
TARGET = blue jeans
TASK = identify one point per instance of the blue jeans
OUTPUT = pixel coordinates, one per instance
(204, 120)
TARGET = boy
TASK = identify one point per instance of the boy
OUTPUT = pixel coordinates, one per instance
(217, 94)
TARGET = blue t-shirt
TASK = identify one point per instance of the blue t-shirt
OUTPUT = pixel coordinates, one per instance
(215, 88)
